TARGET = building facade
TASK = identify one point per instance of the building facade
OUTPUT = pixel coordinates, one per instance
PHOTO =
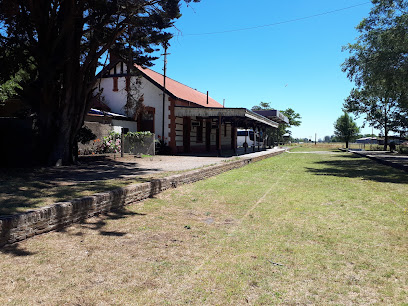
(184, 118)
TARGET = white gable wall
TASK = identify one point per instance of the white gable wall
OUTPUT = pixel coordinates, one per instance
(153, 97)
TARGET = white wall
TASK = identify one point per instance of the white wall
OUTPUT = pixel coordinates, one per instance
(153, 97)
(117, 125)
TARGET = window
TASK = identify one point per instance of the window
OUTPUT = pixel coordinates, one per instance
(242, 133)
(115, 84)
(145, 120)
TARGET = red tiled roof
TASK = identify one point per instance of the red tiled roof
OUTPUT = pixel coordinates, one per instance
(179, 90)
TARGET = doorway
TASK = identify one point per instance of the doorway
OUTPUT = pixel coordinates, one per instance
(186, 134)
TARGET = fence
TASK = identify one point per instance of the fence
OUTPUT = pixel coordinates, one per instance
(376, 147)
(139, 143)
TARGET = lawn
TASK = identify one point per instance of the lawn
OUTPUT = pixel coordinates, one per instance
(297, 228)
(306, 147)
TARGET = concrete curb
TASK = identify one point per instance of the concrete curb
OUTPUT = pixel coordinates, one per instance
(21, 226)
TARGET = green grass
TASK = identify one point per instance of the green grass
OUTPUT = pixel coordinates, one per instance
(292, 229)
(309, 147)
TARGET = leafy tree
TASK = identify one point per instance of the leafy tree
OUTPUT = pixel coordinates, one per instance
(64, 41)
(262, 106)
(10, 88)
(345, 129)
(379, 67)
(382, 113)
(294, 120)
(293, 117)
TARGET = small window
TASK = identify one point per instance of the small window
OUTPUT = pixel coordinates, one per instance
(115, 84)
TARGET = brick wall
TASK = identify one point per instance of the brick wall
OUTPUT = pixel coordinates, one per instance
(18, 227)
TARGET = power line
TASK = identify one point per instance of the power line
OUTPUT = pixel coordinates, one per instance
(280, 22)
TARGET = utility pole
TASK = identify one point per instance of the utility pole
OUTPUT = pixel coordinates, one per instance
(164, 85)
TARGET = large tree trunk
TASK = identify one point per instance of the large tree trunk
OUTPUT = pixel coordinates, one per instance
(385, 138)
(385, 128)
(64, 88)
(58, 128)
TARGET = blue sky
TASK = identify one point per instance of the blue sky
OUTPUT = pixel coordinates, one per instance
(291, 64)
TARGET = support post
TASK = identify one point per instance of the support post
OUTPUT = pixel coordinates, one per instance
(234, 137)
(259, 137)
(219, 135)
(246, 142)
(254, 142)
(164, 87)
(122, 142)
(263, 138)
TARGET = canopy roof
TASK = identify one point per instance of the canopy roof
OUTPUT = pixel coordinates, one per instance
(274, 115)
(241, 115)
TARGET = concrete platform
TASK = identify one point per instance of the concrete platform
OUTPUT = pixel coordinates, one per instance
(97, 168)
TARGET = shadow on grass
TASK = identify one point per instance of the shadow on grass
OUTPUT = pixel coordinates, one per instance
(98, 223)
(25, 189)
(355, 166)
(15, 250)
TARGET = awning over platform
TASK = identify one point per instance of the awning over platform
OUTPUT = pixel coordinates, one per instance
(241, 116)
(274, 115)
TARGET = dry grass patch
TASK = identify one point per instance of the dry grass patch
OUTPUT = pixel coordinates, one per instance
(293, 229)
(306, 147)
